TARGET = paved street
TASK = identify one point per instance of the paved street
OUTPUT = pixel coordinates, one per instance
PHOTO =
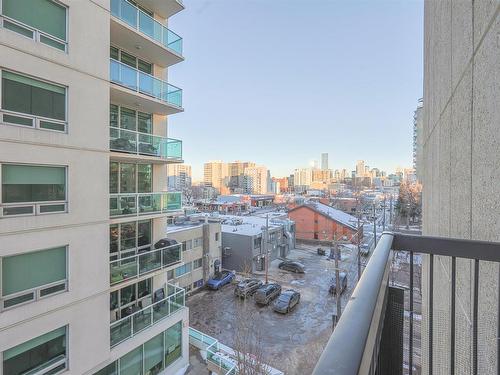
(294, 341)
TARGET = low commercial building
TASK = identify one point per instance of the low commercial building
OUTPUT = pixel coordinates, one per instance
(244, 244)
(316, 221)
(201, 250)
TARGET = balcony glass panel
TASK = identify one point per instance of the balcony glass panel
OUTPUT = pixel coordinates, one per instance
(149, 261)
(149, 203)
(129, 326)
(172, 255)
(172, 201)
(123, 204)
(144, 83)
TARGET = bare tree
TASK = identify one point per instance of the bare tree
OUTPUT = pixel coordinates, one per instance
(187, 193)
(251, 355)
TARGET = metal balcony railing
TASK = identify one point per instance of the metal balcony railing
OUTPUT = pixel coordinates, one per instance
(138, 143)
(135, 204)
(144, 83)
(391, 324)
(127, 327)
(146, 25)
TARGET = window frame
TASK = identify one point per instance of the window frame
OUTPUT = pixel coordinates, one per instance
(37, 290)
(36, 120)
(37, 34)
(56, 363)
(136, 164)
(116, 312)
(125, 253)
(36, 205)
(136, 67)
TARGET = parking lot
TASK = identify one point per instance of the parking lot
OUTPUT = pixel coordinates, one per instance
(294, 341)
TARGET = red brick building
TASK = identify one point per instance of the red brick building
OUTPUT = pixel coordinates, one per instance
(317, 221)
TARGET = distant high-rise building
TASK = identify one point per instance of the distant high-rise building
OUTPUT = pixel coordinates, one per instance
(256, 179)
(215, 174)
(302, 177)
(236, 171)
(324, 161)
(360, 168)
(418, 145)
(179, 176)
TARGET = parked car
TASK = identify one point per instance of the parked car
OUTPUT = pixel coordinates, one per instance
(333, 283)
(320, 251)
(286, 301)
(267, 293)
(220, 279)
(290, 265)
(247, 287)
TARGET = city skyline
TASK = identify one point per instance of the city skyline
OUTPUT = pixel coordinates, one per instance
(251, 93)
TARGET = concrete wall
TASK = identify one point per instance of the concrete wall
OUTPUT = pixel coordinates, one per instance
(84, 229)
(460, 168)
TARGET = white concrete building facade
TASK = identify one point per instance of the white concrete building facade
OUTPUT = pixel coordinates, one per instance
(83, 153)
(460, 173)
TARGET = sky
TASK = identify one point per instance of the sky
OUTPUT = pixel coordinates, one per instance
(278, 82)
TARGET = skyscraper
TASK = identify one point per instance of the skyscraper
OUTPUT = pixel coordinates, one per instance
(324, 161)
(83, 157)
(215, 174)
(418, 127)
(256, 179)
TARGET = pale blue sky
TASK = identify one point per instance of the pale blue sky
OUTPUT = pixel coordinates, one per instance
(279, 82)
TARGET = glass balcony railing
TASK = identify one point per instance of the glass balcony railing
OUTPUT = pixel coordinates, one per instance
(216, 354)
(144, 144)
(172, 201)
(129, 326)
(133, 204)
(142, 263)
(146, 25)
(126, 76)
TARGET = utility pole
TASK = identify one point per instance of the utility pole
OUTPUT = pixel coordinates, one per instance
(383, 219)
(390, 213)
(408, 216)
(267, 246)
(337, 277)
(359, 249)
(374, 225)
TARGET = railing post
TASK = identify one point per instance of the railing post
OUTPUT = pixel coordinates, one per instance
(131, 325)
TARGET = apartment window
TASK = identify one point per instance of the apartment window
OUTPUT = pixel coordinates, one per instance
(126, 239)
(170, 275)
(173, 343)
(45, 354)
(256, 242)
(197, 263)
(216, 236)
(182, 270)
(31, 276)
(151, 357)
(130, 178)
(131, 60)
(197, 242)
(33, 190)
(187, 245)
(33, 103)
(129, 299)
(41, 20)
(129, 119)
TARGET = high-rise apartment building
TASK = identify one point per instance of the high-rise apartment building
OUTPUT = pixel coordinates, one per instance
(324, 161)
(461, 118)
(256, 180)
(83, 211)
(179, 176)
(418, 145)
(215, 174)
(236, 171)
(302, 177)
(360, 168)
